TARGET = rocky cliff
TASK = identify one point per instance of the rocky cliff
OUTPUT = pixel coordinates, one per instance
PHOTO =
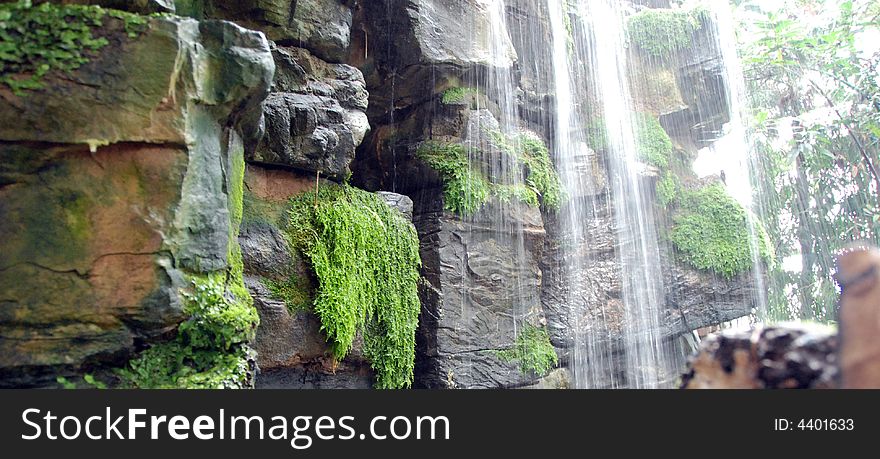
(181, 148)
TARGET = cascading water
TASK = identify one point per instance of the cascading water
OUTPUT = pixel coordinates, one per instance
(637, 249)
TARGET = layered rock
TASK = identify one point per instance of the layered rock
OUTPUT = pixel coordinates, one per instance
(115, 184)
(315, 115)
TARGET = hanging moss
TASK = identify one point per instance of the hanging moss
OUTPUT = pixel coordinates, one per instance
(366, 259)
(36, 40)
(465, 189)
(532, 350)
(661, 32)
(519, 192)
(711, 232)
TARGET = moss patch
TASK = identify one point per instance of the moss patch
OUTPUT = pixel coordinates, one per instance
(652, 142)
(296, 293)
(532, 350)
(366, 258)
(210, 351)
(458, 95)
(661, 32)
(711, 232)
(35, 40)
(465, 189)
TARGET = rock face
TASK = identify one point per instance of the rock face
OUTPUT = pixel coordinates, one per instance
(784, 357)
(101, 216)
(315, 115)
(410, 50)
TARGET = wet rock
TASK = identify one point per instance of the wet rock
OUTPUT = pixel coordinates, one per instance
(779, 357)
(411, 50)
(402, 203)
(315, 115)
(321, 26)
(101, 215)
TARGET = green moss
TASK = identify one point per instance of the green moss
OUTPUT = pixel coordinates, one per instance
(653, 144)
(711, 232)
(520, 192)
(35, 40)
(295, 291)
(366, 258)
(667, 189)
(530, 153)
(532, 350)
(661, 32)
(458, 95)
(465, 189)
(210, 350)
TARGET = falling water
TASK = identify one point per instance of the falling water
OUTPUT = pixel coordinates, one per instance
(735, 144)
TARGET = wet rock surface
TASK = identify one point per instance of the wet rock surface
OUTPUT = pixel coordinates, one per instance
(101, 216)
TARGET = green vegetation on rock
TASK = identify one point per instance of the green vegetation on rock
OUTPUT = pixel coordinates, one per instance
(210, 351)
(35, 40)
(295, 291)
(661, 32)
(366, 258)
(711, 232)
(465, 189)
(211, 348)
(532, 350)
(653, 144)
(458, 95)
(667, 189)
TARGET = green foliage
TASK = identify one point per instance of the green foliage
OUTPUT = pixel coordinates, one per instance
(88, 382)
(661, 32)
(712, 232)
(295, 291)
(35, 40)
(532, 350)
(814, 80)
(366, 259)
(667, 189)
(209, 351)
(540, 174)
(520, 192)
(458, 95)
(652, 142)
(654, 145)
(530, 153)
(465, 189)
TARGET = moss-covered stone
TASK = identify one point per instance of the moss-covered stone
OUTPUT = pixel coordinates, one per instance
(711, 231)
(661, 32)
(532, 350)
